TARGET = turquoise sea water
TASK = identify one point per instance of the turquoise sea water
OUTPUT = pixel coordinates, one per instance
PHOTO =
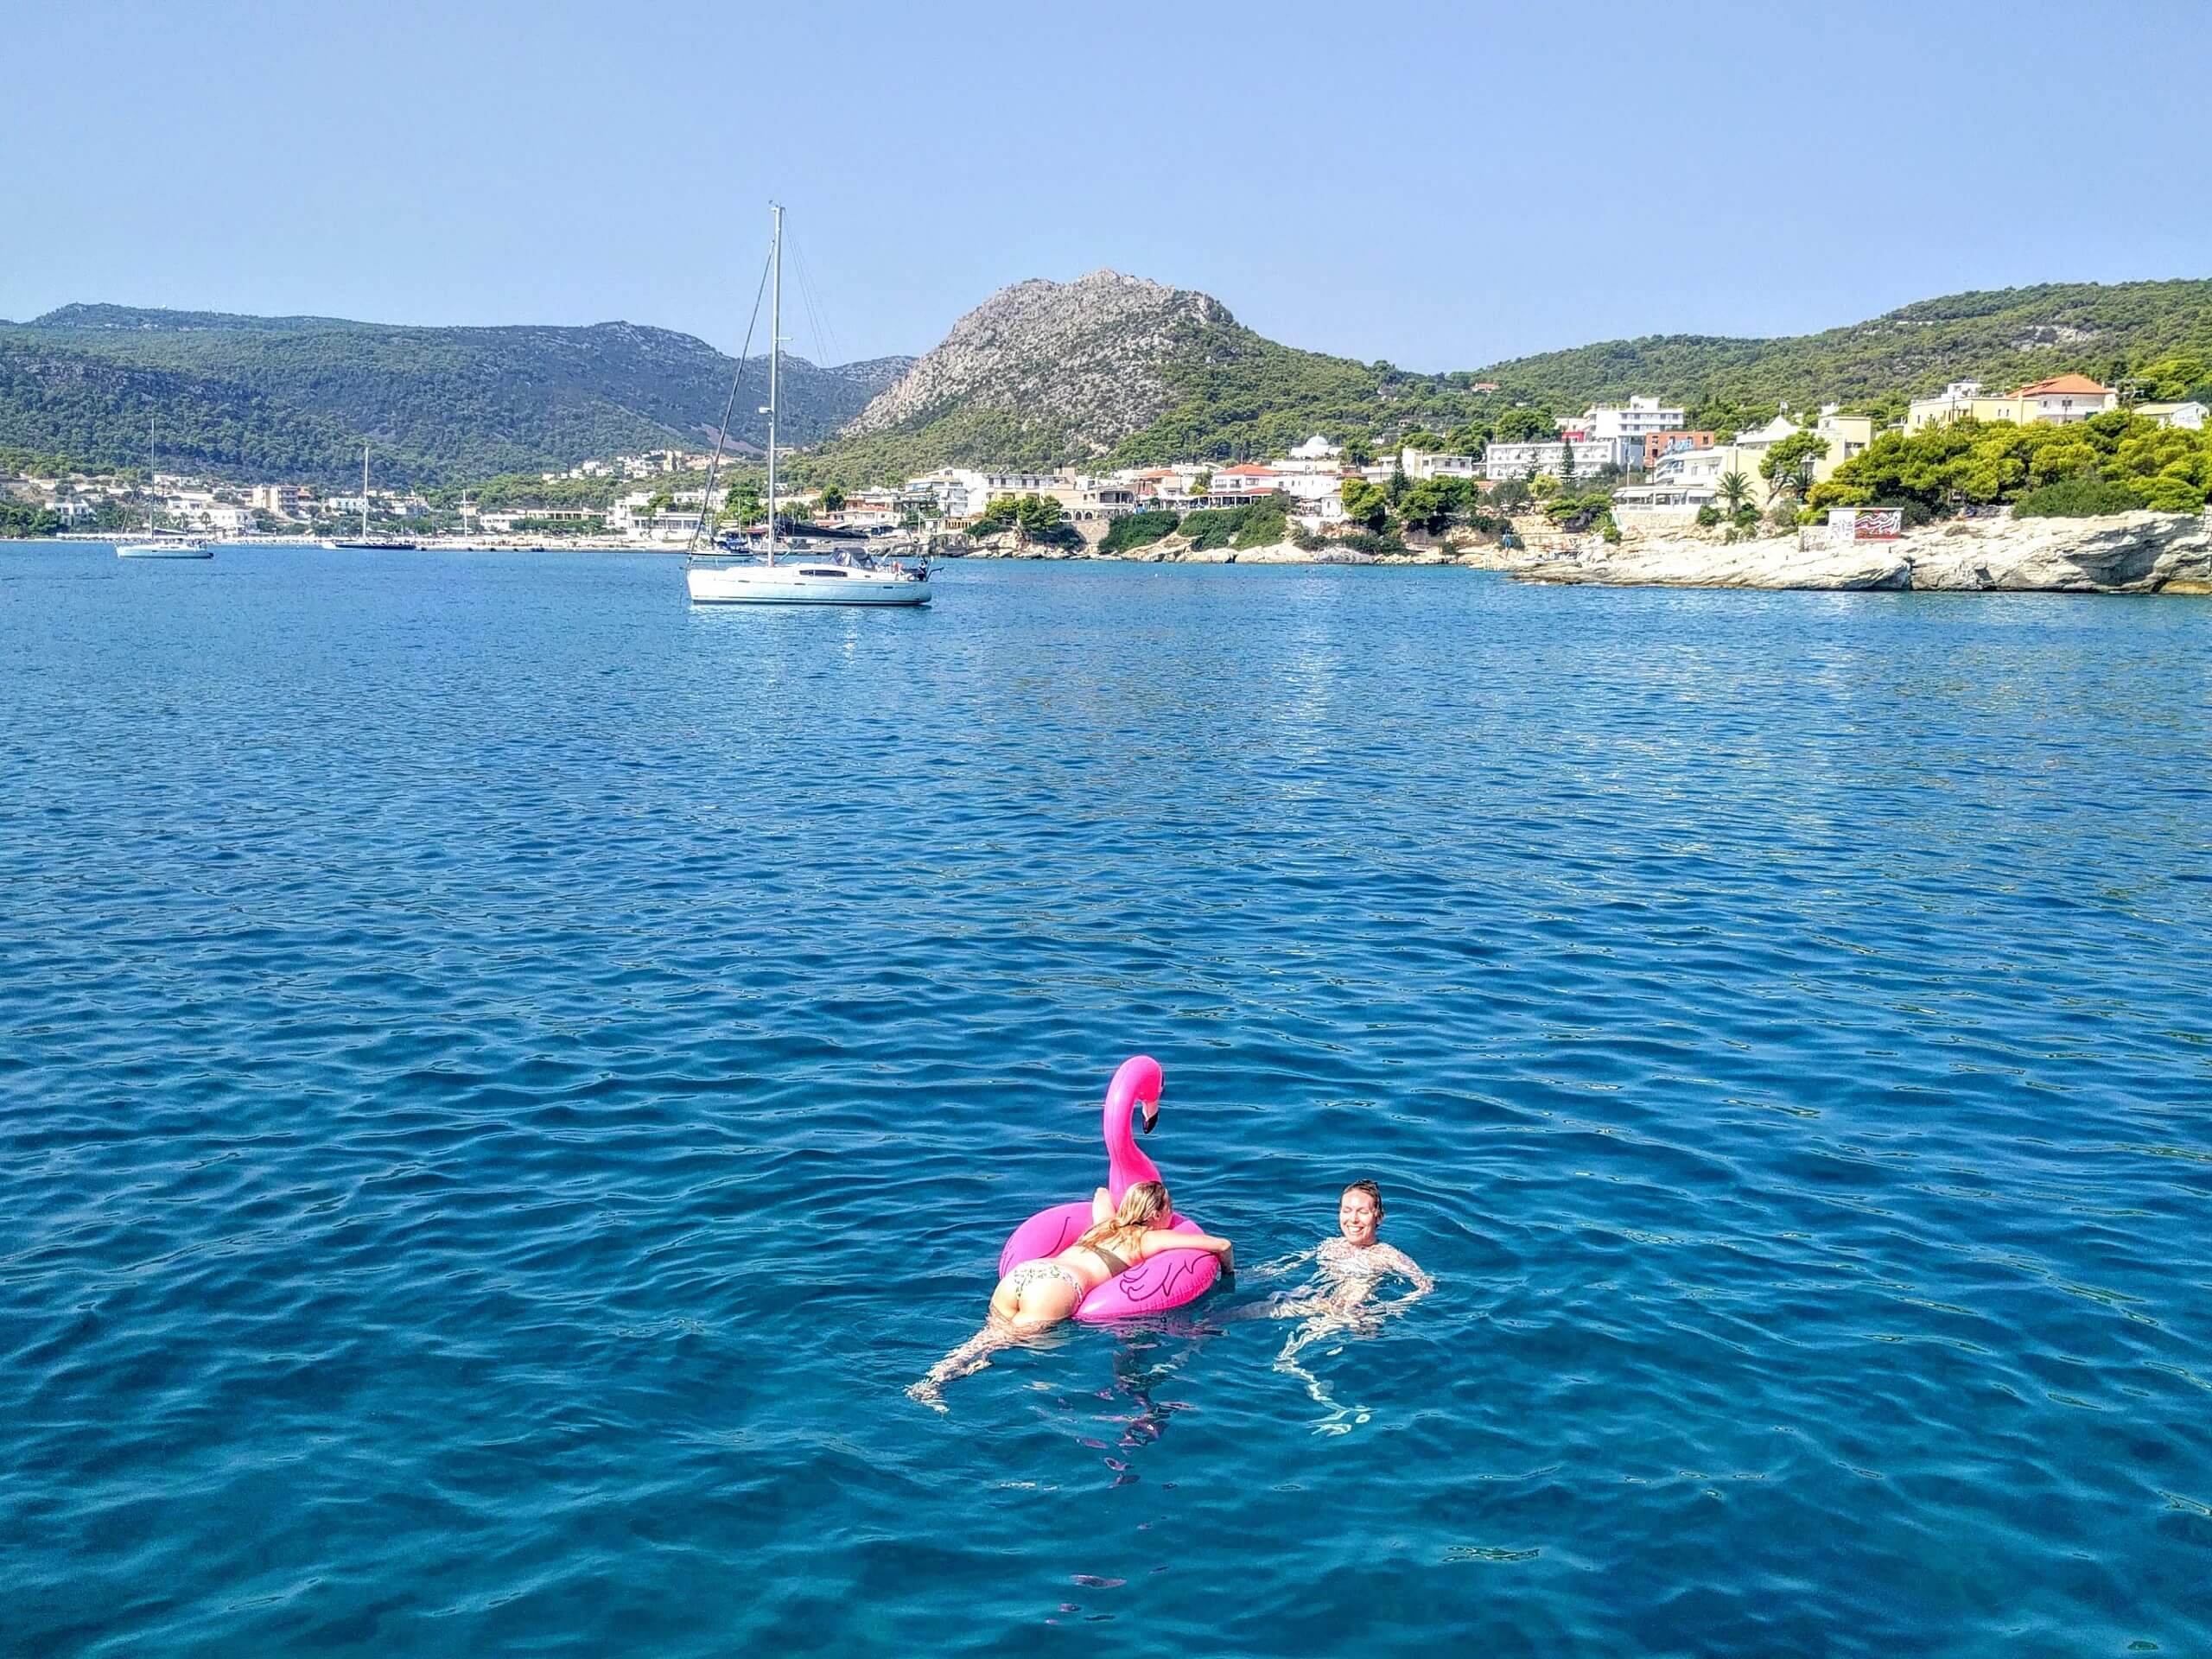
(504, 1080)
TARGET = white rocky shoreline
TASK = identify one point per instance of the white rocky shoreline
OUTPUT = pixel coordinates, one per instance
(2129, 553)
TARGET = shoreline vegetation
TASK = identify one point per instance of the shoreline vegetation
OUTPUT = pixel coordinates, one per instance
(2139, 552)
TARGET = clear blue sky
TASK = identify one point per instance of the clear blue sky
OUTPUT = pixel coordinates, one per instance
(1440, 185)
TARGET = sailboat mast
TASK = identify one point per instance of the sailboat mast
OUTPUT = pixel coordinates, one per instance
(149, 478)
(365, 489)
(775, 347)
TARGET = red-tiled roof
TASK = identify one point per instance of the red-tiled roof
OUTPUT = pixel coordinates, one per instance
(1248, 469)
(2064, 385)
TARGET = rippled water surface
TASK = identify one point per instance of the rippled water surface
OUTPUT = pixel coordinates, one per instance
(504, 1079)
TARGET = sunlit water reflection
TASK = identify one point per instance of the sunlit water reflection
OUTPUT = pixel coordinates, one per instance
(504, 1079)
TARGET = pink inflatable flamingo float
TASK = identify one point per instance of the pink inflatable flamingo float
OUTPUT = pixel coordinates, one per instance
(1165, 1281)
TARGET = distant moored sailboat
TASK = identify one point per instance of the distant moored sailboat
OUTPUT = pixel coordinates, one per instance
(180, 547)
(365, 540)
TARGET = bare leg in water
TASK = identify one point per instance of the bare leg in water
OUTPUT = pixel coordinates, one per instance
(966, 1360)
(1017, 1310)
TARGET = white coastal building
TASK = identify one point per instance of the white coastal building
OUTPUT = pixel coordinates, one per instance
(2066, 398)
(501, 521)
(952, 491)
(995, 485)
(1247, 482)
(217, 518)
(1684, 480)
(1418, 464)
(2189, 415)
(1641, 416)
(1507, 461)
(633, 517)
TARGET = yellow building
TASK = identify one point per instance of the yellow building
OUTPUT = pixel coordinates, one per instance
(1847, 436)
(2063, 398)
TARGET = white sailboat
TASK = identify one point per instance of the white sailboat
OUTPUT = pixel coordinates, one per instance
(808, 576)
(365, 540)
(180, 547)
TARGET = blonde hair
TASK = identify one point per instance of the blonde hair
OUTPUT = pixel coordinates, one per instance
(1144, 1203)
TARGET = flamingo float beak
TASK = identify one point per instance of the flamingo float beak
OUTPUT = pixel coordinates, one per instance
(1151, 1114)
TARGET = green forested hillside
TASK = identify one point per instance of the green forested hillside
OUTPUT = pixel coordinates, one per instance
(1240, 395)
(442, 402)
(91, 413)
(2002, 337)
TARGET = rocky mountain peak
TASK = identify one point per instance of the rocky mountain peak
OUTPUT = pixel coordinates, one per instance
(1084, 357)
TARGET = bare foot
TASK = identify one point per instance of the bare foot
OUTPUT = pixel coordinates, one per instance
(928, 1393)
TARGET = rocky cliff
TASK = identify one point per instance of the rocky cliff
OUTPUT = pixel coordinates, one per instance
(1043, 374)
(2128, 553)
(1084, 356)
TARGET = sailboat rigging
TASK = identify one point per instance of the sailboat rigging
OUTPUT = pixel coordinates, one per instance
(365, 540)
(812, 574)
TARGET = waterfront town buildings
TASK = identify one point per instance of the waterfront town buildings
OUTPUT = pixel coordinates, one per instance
(1642, 450)
(1687, 477)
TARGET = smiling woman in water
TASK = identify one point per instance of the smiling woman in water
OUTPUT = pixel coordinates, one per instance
(1357, 1257)
(1349, 1266)
(1336, 1302)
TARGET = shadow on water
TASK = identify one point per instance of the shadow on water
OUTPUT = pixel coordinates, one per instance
(1132, 1412)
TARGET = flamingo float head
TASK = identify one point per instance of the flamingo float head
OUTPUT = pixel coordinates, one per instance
(1156, 1284)
(1137, 1081)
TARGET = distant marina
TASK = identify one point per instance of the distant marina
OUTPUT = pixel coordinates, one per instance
(1621, 494)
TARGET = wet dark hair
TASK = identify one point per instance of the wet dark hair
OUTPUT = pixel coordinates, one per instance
(1375, 1192)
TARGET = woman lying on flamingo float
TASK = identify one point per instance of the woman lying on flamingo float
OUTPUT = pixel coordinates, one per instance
(1134, 1256)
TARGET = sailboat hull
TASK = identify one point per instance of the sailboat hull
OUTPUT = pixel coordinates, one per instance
(778, 584)
(164, 551)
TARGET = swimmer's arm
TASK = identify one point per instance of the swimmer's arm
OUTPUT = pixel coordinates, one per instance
(1159, 1239)
(1399, 1261)
(1276, 1269)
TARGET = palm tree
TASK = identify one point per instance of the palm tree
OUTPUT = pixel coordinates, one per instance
(1736, 491)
